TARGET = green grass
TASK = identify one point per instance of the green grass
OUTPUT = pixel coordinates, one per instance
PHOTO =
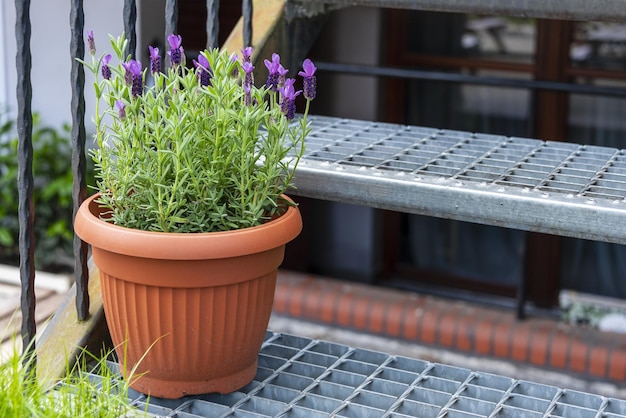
(90, 389)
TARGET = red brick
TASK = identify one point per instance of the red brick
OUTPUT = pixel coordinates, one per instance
(311, 307)
(296, 297)
(599, 357)
(617, 365)
(377, 317)
(539, 340)
(482, 336)
(410, 326)
(447, 328)
(430, 322)
(465, 332)
(394, 317)
(328, 305)
(521, 334)
(578, 351)
(360, 312)
(558, 350)
(345, 308)
(502, 339)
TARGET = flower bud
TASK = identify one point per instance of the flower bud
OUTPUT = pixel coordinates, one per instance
(155, 59)
(133, 77)
(203, 70)
(91, 43)
(121, 109)
(106, 70)
(176, 52)
(309, 81)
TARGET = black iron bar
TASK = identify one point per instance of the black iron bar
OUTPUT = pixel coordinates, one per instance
(130, 25)
(246, 11)
(171, 17)
(212, 23)
(79, 160)
(367, 70)
(26, 209)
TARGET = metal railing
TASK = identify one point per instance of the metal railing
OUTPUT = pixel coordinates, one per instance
(78, 137)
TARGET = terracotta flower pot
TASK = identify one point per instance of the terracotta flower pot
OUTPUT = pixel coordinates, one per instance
(190, 311)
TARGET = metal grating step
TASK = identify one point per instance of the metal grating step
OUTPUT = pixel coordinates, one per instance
(301, 377)
(611, 10)
(553, 187)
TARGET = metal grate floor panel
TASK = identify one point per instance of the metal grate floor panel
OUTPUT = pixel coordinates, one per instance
(521, 183)
(301, 377)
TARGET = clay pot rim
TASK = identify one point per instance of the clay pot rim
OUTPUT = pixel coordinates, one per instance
(184, 246)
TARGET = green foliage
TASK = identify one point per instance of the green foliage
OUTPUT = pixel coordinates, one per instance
(78, 395)
(182, 157)
(52, 194)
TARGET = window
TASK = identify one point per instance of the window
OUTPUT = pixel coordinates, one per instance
(489, 260)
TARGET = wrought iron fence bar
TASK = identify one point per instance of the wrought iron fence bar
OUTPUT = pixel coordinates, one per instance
(171, 17)
(79, 160)
(470, 79)
(130, 25)
(246, 10)
(212, 23)
(25, 173)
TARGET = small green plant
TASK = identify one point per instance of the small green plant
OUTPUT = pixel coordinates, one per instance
(52, 195)
(78, 395)
(201, 149)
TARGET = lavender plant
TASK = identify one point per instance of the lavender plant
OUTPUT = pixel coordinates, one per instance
(202, 148)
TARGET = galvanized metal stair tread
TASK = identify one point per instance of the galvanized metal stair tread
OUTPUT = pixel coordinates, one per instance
(303, 377)
(553, 187)
(610, 10)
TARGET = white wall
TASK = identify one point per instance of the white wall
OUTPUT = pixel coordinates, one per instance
(51, 62)
(351, 35)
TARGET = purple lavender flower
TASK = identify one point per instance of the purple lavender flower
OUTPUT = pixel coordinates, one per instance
(121, 109)
(106, 70)
(203, 70)
(246, 54)
(288, 102)
(248, 78)
(155, 59)
(176, 52)
(134, 75)
(282, 74)
(309, 82)
(272, 67)
(91, 42)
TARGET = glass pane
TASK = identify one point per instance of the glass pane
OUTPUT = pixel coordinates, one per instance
(599, 45)
(598, 120)
(485, 254)
(474, 108)
(499, 38)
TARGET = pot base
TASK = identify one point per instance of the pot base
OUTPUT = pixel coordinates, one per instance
(170, 389)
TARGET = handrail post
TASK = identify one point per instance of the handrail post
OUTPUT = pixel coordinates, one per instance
(130, 26)
(79, 163)
(212, 23)
(171, 17)
(25, 176)
(246, 11)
